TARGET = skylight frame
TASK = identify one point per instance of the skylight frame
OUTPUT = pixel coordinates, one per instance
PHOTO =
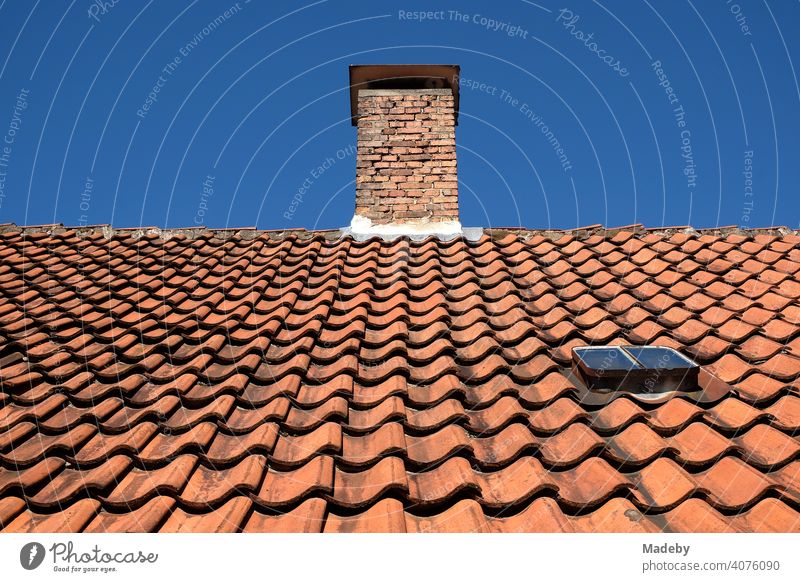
(640, 378)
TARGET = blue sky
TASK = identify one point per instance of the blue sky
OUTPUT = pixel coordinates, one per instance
(221, 113)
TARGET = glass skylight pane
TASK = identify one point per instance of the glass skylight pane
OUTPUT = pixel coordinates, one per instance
(657, 358)
(606, 358)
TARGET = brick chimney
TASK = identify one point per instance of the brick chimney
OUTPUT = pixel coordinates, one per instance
(406, 173)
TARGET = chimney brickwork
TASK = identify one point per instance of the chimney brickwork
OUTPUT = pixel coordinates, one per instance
(406, 159)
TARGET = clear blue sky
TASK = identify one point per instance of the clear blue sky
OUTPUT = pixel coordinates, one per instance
(567, 119)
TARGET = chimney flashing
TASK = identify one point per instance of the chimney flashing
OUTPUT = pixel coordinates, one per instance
(363, 225)
(362, 228)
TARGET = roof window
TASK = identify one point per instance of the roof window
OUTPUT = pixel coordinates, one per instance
(636, 369)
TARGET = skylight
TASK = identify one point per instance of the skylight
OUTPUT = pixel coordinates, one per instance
(637, 369)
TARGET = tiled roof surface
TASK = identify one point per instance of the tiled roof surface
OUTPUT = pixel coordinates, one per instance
(301, 382)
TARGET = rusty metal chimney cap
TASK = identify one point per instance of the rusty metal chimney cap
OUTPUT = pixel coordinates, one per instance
(402, 77)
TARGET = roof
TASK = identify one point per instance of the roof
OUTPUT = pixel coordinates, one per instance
(295, 381)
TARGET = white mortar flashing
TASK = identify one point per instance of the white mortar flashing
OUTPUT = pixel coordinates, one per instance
(361, 228)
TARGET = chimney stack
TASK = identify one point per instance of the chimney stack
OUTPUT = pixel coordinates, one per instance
(406, 173)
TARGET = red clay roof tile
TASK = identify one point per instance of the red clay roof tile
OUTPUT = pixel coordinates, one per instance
(144, 519)
(142, 484)
(308, 517)
(207, 487)
(71, 482)
(69, 519)
(225, 519)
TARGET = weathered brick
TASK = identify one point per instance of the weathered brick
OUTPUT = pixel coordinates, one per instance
(406, 158)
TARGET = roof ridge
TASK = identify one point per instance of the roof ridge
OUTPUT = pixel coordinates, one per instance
(248, 232)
